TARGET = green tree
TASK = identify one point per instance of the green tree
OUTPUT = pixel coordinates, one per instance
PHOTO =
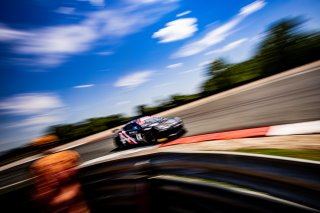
(287, 46)
(141, 109)
(220, 77)
(217, 65)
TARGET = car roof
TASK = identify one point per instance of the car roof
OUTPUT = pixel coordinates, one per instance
(143, 119)
(140, 120)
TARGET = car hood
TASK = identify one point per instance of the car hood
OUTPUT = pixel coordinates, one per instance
(164, 122)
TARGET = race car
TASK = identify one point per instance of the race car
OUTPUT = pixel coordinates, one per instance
(149, 130)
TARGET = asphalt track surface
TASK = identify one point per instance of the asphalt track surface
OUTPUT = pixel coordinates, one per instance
(293, 99)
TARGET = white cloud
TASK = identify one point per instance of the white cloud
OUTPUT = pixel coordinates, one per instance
(124, 21)
(173, 66)
(65, 10)
(177, 30)
(51, 60)
(228, 47)
(30, 103)
(105, 53)
(52, 46)
(219, 34)
(84, 86)
(98, 3)
(183, 13)
(134, 79)
(37, 120)
(253, 7)
(7, 34)
(58, 40)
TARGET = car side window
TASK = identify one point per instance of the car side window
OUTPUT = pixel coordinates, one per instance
(127, 127)
(131, 127)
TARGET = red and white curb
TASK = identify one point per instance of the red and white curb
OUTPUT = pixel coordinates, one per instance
(310, 127)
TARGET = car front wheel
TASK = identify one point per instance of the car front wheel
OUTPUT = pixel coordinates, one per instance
(150, 138)
(118, 143)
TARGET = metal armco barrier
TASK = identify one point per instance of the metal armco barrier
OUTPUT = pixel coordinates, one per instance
(191, 182)
(202, 182)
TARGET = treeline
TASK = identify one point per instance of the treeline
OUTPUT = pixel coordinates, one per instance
(69, 132)
(285, 45)
(173, 101)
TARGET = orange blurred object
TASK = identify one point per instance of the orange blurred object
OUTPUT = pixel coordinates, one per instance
(44, 140)
(56, 187)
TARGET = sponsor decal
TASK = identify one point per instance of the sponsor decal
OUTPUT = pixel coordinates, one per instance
(125, 138)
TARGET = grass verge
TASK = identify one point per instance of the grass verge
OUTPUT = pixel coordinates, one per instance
(310, 154)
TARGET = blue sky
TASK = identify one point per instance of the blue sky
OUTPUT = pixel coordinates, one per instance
(66, 61)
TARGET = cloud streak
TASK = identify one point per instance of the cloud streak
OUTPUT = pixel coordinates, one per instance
(204, 63)
(30, 103)
(177, 30)
(65, 10)
(184, 13)
(134, 79)
(219, 34)
(37, 121)
(173, 66)
(98, 3)
(52, 45)
(84, 86)
(38, 110)
(105, 53)
(228, 47)
(8, 34)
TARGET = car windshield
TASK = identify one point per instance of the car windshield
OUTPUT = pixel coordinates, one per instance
(131, 126)
(151, 120)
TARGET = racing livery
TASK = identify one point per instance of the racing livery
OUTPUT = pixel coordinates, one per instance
(149, 130)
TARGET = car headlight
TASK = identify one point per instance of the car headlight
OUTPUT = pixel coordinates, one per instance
(161, 127)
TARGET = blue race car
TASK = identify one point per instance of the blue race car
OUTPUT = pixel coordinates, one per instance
(149, 130)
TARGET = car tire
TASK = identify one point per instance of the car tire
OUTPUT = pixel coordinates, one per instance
(118, 143)
(150, 138)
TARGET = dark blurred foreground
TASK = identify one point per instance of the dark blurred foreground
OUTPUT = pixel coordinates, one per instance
(186, 182)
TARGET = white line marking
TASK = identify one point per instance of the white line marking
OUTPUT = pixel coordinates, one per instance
(7, 186)
(115, 155)
(295, 129)
(19, 162)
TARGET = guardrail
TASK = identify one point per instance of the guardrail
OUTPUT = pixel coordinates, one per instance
(202, 182)
(191, 182)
